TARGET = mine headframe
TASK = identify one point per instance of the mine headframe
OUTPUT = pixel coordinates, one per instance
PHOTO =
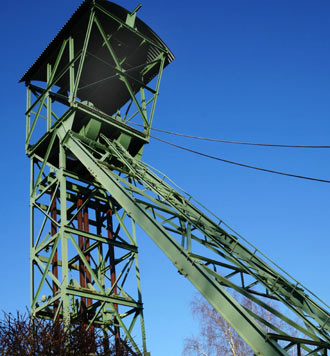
(91, 99)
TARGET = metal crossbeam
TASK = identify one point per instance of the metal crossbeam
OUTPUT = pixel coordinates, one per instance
(156, 206)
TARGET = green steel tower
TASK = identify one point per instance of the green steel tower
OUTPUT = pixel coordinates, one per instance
(89, 187)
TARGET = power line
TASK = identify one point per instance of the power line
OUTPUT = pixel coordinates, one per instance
(233, 142)
(241, 164)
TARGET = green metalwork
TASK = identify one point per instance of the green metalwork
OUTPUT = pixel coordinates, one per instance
(89, 188)
(168, 215)
(84, 254)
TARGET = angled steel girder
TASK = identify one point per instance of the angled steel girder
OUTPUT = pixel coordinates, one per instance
(155, 206)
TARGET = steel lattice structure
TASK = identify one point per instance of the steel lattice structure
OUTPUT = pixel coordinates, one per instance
(89, 188)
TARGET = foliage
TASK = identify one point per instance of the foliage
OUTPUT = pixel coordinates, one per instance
(217, 337)
(21, 335)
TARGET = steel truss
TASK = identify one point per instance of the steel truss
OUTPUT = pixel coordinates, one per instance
(84, 256)
(83, 245)
(214, 258)
(89, 189)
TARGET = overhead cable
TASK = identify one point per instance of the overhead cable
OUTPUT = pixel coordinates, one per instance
(233, 142)
(241, 164)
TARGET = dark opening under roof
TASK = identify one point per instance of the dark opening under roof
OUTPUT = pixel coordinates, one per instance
(130, 46)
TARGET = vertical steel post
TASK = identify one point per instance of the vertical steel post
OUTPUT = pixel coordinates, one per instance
(63, 237)
(88, 278)
(100, 274)
(88, 275)
(32, 282)
(113, 277)
(53, 212)
(81, 244)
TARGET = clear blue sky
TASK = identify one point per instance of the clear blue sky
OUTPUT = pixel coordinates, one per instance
(244, 70)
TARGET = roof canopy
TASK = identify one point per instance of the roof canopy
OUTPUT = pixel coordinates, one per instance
(101, 82)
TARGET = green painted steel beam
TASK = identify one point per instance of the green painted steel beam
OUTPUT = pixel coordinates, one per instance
(173, 203)
(226, 305)
(96, 237)
(104, 297)
(230, 244)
